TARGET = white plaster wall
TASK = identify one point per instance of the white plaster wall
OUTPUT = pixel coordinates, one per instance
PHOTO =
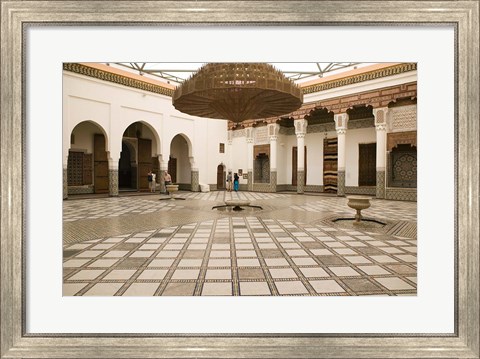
(290, 142)
(84, 133)
(114, 107)
(314, 143)
(281, 160)
(179, 150)
(240, 156)
(216, 133)
(352, 140)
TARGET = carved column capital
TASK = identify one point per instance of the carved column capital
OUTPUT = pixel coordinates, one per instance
(380, 115)
(381, 127)
(300, 127)
(341, 122)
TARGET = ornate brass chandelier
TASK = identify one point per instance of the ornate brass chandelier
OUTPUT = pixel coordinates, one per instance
(237, 92)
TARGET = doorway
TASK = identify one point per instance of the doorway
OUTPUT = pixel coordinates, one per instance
(294, 166)
(367, 159)
(221, 177)
(330, 165)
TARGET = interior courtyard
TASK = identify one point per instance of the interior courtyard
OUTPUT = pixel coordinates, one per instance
(352, 134)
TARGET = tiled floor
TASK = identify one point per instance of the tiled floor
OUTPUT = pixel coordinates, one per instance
(143, 246)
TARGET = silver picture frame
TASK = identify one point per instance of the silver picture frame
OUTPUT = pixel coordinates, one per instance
(17, 343)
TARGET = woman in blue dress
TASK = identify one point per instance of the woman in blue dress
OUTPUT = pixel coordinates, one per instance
(235, 182)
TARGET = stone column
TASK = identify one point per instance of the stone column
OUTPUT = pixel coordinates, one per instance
(163, 168)
(249, 138)
(300, 132)
(113, 177)
(65, 181)
(380, 127)
(194, 176)
(273, 129)
(341, 121)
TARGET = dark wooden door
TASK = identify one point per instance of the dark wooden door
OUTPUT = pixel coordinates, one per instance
(367, 158)
(330, 165)
(221, 177)
(172, 169)
(100, 165)
(156, 169)
(294, 165)
(144, 162)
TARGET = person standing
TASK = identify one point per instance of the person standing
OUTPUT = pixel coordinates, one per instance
(235, 182)
(154, 182)
(150, 180)
(229, 182)
(167, 179)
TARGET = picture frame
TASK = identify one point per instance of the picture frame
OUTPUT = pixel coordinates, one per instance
(16, 342)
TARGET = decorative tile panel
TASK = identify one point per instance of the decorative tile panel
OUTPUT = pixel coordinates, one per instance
(239, 133)
(65, 184)
(113, 183)
(195, 181)
(341, 183)
(273, 181)
(314, 188)
(380, 191)
(85, 189)
(368, 191)
(321, 127)
(403, 118)
(300, 181)
(401, 194)
(363, 123)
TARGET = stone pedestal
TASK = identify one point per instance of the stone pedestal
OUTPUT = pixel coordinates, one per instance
(358, 203)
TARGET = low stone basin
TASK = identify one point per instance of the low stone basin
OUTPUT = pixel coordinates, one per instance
(358, 203)
(171, 188)
(237, 203)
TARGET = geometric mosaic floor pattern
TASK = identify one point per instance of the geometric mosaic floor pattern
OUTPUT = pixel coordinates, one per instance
(251, 253)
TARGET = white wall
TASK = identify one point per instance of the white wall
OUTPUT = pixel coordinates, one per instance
(353, 139)
(84, 133)
(115, 107)
(179, 150)
(282, 149)
(240, 156)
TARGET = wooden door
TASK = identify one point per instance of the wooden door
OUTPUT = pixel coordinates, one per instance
(172, 169)
(144, 162)
(330, 165)
(221, 177)
(294, 165)
(156, 169)
(367, 158)
(100, 165)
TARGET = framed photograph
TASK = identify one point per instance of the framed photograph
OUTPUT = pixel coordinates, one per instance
(441, 321)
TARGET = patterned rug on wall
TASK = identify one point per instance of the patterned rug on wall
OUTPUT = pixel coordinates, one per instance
(330, 157)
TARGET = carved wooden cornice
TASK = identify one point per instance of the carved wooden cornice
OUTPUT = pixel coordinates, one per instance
(116, 78)
(380, 97)
(367, 76)
(401, 138)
